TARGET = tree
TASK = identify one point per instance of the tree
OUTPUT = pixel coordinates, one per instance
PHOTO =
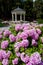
(39, 8)
(6, 6)
(28, 6)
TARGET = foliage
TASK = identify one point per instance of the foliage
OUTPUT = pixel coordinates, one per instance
(38, 9)
(6, 6)
(33, 9)
(2, 24)
(40, 21)
(28, 5)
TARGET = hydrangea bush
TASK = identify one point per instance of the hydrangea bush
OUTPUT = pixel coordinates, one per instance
(21, 45)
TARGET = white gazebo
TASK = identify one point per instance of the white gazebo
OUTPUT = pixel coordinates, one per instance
(20, 12)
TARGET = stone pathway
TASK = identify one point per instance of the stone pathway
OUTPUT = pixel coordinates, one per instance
(4, 28)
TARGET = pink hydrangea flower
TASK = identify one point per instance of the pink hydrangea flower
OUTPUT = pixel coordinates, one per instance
(4, 55)
(34, 43)
(1, 32)
(41, 63)
(4, 44)
(1, 55)
(24, 58)
(5, 62)
(6, 33)
(27, 58)
(35, 36)
(24, 35)
(18, 27)
(38, 31)
(31, 32)
(35, 58)
(18, 36)
(25, 26)
(27, 32)
(29, 63)
(8, 54)
(24, 43)
(12, 38)
(15, 61)
(18, 54)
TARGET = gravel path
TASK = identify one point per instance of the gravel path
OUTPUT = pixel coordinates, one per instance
(4, 28)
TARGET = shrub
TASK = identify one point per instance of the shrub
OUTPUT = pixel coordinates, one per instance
(23, 51)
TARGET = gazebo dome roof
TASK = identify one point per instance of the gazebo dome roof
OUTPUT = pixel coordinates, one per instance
(18, 9)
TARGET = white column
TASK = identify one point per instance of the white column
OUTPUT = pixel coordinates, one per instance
(20, 16)
(12, 17)
(24, 17)
(15, 17)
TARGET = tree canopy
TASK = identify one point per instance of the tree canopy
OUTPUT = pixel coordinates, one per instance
(33, 9)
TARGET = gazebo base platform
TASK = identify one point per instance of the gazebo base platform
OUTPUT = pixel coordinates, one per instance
(17, 22)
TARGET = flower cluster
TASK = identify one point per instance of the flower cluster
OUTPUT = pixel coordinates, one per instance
(24, 58)
(6, 33)
(35, 58)
(15, 61)
(33, 33)
(34, 43)
(5, 62)
(16, 48)
(18, 27)
(4, 44)
(4, 56)
(12, 38)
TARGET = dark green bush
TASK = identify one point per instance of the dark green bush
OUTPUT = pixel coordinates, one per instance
(40, 21)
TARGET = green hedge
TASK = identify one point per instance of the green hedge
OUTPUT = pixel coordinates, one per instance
(40, 21)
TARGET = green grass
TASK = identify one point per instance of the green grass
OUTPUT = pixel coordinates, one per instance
(2, 25)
